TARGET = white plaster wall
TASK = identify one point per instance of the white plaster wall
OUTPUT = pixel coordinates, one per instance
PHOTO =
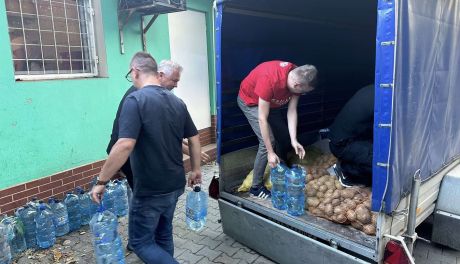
(187, 33)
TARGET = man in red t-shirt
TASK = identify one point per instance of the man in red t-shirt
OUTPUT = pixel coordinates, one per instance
(269, 86)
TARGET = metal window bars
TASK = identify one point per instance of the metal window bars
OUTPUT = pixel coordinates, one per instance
(52, 39)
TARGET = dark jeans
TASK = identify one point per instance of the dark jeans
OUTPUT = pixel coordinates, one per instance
(355, 158)
(150, 227)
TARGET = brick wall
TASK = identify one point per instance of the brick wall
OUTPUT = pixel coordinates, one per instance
(213, 128)
(208, 135)
(55, 185)
(59, 184)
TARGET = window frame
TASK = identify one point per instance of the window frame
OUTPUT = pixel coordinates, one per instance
(92, 48)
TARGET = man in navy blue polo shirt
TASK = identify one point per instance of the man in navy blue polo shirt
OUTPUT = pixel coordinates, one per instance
(153, 122)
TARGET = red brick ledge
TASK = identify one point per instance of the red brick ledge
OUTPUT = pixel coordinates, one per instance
(59, 184)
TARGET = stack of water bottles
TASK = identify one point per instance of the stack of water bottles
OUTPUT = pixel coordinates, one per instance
(278, 179)
(85, 205)
(196, 209)
(295, 195)
(74, 211)
(5, 253)
(60, 217)
(107, 244)
(15, 234)
(46, 232)
(288, 189)
(109, 197)
(115, 198)
(27, 215)
(121, 198)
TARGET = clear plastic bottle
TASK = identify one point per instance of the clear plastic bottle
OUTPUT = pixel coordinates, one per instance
(27, 216)
(295, 196)
(121, 198)
(85, 205)
(196, 209)
(33, 203)
(278, 179)
(46, 234)
(16, 237)
(107, 244)
(5, 252)
(108, 200)
(61, 216)
(73, 209)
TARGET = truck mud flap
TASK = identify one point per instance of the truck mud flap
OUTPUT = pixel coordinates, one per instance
(277, 242)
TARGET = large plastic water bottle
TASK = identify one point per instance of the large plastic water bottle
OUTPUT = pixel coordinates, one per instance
(295, 196)
(16, 237)
(121, 198)
(27, 216)
(85, 206)
(196, 209)
(73, 209)
(109, 198)
(129, 192)
(46, 234)
(5, 252)
(277, 177)
(61, 217)
(94, 206)
(107, 244)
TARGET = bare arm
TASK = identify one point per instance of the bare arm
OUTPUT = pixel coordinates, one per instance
(117, 157)
(292, 117)
(264, 110)
(185, 148)
(292, 125)
(195, 151)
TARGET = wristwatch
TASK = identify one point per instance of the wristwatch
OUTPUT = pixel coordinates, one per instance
(100, 182)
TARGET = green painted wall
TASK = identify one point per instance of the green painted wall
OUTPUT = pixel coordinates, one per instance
(50, 126)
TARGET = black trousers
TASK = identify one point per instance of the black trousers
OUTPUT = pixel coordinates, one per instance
(355, 157)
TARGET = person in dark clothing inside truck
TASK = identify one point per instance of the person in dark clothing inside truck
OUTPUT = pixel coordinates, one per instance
(351, 136)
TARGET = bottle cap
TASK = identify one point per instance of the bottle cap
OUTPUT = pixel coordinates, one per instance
(197, 189)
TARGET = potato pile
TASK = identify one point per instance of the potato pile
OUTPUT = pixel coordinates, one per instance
(328, 199)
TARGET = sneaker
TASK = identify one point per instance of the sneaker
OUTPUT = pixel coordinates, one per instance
(344, 181)
(260, 192)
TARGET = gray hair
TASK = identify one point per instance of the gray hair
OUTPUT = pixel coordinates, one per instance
(144, 62)
(306, 74)
(168, 67)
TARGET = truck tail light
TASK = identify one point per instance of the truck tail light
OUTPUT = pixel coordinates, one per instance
(395, 254)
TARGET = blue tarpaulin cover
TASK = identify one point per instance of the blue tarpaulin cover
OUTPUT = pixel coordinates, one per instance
(425, 131)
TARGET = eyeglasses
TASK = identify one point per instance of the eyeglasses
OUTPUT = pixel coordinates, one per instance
(128, 76)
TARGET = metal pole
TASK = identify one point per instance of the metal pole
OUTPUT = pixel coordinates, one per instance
(144, 42)
(410, 233)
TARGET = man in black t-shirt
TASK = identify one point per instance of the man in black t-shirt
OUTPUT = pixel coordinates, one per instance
(153, 122)
(169, 74)
(351, 137)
